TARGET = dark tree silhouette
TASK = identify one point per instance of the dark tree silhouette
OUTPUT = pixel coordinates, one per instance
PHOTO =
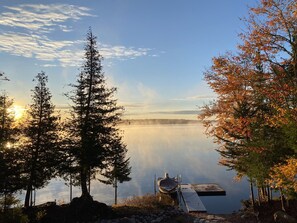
(93, 119)
(10, 168)
(118, 168)
(41, 138)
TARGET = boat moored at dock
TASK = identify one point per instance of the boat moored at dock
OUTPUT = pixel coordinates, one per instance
(167, 185)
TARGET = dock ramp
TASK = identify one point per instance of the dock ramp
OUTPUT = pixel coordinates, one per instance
(189, 200)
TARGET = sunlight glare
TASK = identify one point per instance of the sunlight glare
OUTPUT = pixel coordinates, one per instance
(8, 145)
(18, 111)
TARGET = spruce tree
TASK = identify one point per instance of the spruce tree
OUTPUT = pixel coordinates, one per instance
(118, 168)
(10, 167)
(93, 119)
(41, 138)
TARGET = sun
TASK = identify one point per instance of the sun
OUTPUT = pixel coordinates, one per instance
(18, 111)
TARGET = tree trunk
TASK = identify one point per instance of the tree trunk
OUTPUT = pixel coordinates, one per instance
(252, 194)
(268, 194)
(115, 191)
(282, 199)
(83, 183)
(28, 196)
(89, 181)
(70, 188)
(259, 196)
(5, 201)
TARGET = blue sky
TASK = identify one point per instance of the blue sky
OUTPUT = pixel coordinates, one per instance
(155, 51)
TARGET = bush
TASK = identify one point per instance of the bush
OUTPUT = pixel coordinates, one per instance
(14, 215)
(149, 201)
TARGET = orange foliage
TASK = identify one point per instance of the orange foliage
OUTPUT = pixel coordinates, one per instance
(258, 85)
(285, 175)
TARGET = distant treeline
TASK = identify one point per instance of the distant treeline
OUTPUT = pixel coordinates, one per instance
(158, 121)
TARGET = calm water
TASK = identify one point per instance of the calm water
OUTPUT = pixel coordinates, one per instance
(180, 149)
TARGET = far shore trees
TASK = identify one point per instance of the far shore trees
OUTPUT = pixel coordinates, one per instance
(93, 120)
(256, 108)
(41, 139)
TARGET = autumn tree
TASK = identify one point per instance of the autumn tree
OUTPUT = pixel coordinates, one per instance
(238, 110)
(118, 168)
(273, 41)
(256, 87)
(93, 119)
(41, 140)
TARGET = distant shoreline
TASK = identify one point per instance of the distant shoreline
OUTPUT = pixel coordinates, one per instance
(157, 121)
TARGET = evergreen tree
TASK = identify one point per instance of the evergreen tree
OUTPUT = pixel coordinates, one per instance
(10, 167)
(92, 121)
(41, 138)
(118, 168)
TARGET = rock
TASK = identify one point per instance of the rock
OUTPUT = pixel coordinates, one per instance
(127, 220)
(282, 217)
(157, 220)
(210, 217)
(86, 209)
(218, 218)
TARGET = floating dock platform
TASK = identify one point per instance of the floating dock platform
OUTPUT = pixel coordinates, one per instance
(208, 189)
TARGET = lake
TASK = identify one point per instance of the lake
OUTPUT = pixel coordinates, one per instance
(179, 149)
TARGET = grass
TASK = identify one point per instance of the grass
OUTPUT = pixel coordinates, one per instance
(143, 204)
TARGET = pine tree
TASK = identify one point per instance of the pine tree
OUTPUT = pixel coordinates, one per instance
(92, 121)
(118, 168)
(10, 167)
(41, 138)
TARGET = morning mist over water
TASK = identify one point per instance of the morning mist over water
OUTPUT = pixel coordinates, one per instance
(179, 149)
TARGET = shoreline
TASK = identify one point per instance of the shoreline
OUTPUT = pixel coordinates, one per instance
(145, 209)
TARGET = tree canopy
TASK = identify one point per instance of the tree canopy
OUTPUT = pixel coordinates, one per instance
(256, 87)
(41, 138)
(93, 120)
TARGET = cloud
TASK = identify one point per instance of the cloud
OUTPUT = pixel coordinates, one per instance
(109, 51)
(42, 18)
(194, 98)
(41, 48)
(31, 24)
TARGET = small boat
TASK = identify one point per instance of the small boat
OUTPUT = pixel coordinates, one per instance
(167, 185)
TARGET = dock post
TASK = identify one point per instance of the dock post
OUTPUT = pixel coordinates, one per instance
(155, 182)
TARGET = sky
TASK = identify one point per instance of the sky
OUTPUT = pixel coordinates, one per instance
(155, 51)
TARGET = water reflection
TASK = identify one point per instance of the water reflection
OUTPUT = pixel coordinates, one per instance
(180, 149)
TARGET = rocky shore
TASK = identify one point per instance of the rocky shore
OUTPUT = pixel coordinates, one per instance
(171, 214)
(152, 209)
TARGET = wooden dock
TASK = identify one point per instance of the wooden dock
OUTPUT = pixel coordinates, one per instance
(189, 200)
